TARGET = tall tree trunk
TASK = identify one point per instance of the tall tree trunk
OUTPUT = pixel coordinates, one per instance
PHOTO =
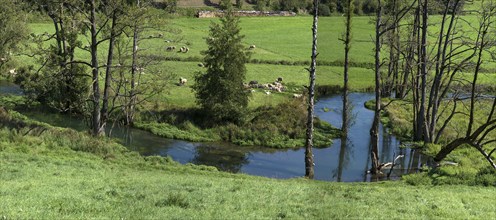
(342, 154)
(108, 74)
(374, 130)
(309, 162)
(347, 47)
(96, 128)
(421, 132)
(134, 70)
(416, 77)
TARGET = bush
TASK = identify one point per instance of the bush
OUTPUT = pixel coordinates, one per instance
(418, 179)
(486, 176)
(324, 10)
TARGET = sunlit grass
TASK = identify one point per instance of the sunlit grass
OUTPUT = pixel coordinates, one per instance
(53, 181)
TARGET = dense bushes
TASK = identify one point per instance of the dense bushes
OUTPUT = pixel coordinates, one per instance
(281, 126)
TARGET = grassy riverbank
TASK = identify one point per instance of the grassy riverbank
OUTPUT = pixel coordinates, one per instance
(50, 172)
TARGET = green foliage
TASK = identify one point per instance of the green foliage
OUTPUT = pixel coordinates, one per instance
(281, 126)
(239, 4)
(13, 30)
(486, 176)
(225, 4)
(219, 91)
(418, 179)
(431, 149)
(64, 89)
(262, 5)
(183, 131)
(292, 5)
(324, 10)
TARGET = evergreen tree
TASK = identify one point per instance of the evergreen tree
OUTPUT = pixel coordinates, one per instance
(219, 91)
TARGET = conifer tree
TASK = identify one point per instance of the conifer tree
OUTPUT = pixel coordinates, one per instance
(220, 91)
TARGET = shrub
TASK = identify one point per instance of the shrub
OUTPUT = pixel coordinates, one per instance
(418, 179)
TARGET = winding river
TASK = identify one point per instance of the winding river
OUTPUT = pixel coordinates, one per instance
(347, 162)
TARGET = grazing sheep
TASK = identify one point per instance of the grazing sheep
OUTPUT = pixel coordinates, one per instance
(160, 35)
(253, 46)
(3, 59)
(182, 81)
(201, 65)
(170, 48)
(253, 82)
(296, 96)
(279, 79)
(151, 36)
(267, 92)
(184, 50)
(13, 72)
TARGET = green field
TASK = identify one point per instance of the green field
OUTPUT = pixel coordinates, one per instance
(277, 39)
(50, 172)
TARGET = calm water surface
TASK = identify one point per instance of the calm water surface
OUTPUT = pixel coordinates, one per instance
(346, 162)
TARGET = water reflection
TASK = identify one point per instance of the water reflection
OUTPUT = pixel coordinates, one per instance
(230, 160)
(8, 88)
(345, 160)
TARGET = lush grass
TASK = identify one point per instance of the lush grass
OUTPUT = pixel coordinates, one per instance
(46, 175)
(294, 77)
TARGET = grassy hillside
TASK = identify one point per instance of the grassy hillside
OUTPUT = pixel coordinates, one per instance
(62, 174)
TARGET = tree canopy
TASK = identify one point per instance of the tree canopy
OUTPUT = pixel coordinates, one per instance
(219, 90)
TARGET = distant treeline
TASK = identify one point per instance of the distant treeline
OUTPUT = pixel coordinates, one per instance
(333, 7)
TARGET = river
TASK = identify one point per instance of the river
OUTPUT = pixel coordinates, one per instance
(346, 163)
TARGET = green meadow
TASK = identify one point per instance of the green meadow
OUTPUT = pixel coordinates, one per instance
(282, 50)
(46, 174)
(49, 172)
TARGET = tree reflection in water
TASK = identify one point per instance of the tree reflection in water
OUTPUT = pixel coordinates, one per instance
(225, 159)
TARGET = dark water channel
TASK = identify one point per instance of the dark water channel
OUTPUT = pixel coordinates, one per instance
(347, 163)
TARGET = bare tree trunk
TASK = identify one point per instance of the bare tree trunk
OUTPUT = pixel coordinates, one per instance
(132, 92)
(342, 154)
(347, 47)
(309, 162)
(417, 136)
(421, 132)
(108, 74)
(96, 128)
(374, 130)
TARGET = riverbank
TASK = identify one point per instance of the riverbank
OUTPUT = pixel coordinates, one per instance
(464, 166)
(60, 173)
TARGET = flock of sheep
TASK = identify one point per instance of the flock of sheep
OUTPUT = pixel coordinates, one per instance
(276, 86)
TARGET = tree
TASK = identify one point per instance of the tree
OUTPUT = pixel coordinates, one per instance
(220, 91)
(225, 4)
(13, 29)
(239, 4)
(381, 27)
(309, 164)
(59, 83)
(479, 131)
(347, 46)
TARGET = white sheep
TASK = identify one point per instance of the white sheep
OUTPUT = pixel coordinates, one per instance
(182, 81)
